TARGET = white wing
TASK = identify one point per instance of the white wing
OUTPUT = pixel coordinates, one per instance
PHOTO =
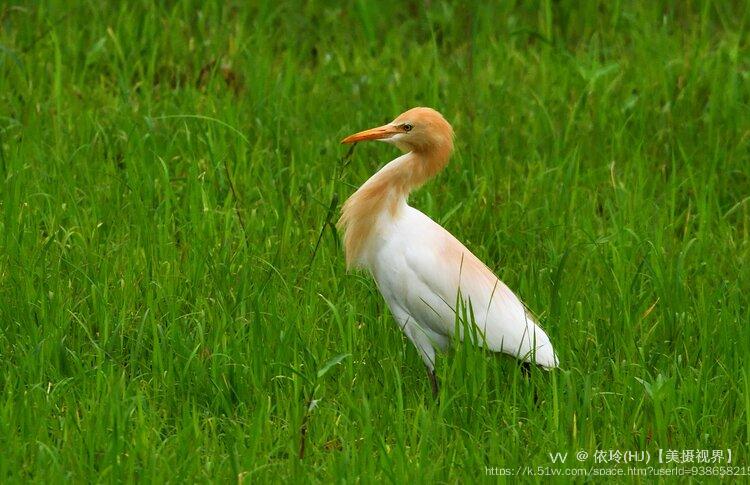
(421, 269)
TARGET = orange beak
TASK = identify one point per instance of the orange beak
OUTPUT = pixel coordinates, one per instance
(379, 133)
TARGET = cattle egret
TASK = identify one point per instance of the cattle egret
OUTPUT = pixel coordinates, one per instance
(423, 271)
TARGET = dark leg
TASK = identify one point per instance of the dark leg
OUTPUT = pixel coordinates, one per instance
(526, 369)
(434, 382)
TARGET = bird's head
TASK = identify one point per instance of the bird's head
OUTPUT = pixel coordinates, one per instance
(416, 130)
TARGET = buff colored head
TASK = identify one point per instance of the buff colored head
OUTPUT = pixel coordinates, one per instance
(417, 130)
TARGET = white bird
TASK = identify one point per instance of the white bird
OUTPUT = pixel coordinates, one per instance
(419, 267)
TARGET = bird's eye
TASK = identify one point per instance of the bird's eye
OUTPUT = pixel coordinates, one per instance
(407, 127)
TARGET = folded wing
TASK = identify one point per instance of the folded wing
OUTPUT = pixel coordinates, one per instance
(444, 275)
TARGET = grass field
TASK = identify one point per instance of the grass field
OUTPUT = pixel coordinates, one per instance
(166, 172)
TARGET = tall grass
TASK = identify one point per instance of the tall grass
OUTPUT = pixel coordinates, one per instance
(167, 170)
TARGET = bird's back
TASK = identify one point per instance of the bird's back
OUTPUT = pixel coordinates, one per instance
(425, 272)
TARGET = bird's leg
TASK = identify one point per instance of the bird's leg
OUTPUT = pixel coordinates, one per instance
(526, 369)
(433, 382)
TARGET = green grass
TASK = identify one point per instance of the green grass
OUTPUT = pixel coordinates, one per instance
(602, 169)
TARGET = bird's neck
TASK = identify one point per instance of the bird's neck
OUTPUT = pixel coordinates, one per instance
(383, 196)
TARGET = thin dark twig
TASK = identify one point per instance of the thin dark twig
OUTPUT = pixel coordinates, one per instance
(235, 194)
(2, 155)
(343, 163)
(328, 223)
(346, 160)
(303, 429)
(237, 201)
